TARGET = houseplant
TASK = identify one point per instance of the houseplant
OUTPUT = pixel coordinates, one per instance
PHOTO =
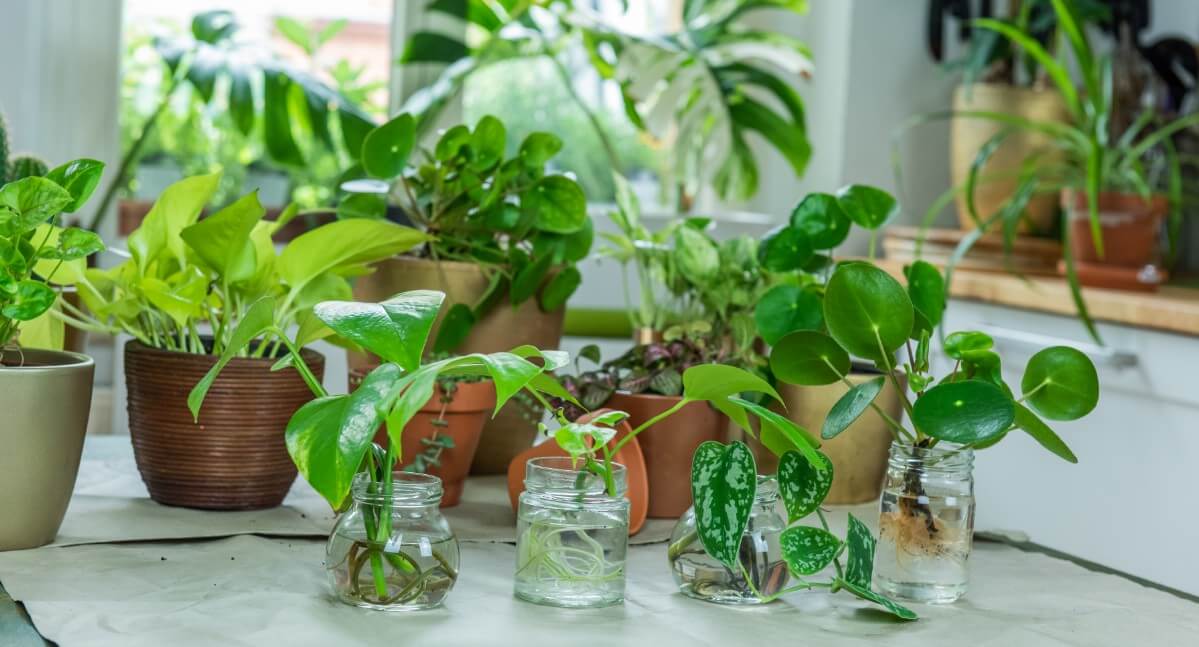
(504, 235)
(391, 550)
(45, 394)
(927, 504)
(186, 272)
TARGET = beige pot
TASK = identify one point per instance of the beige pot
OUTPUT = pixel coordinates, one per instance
(46, 401)
(858, 454)
(968, 135)
(503, 328)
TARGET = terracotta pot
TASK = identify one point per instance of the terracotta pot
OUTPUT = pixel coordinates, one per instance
(235, 457)
(968, 135)
(858, 454)
(630, 456)
(1130, 224)
(669, 445)
(46, 397)
(464, 415)
(503, 328)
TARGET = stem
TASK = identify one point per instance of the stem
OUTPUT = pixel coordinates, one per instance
(298, 361)
(766, 599)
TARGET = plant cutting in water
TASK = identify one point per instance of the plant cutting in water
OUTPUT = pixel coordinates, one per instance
(330, 438)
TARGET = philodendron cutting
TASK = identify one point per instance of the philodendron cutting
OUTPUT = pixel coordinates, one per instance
(392, 549)
(927, 507)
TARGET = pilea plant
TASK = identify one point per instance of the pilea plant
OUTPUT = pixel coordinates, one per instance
(524, 226)
(36, 255)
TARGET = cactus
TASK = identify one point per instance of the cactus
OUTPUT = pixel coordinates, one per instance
(4, 149)
(23, 166)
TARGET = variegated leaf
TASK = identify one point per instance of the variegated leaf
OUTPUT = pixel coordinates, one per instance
(723, 485)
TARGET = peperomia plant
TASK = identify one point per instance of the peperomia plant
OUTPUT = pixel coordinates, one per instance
(35, 253)
(523, 226)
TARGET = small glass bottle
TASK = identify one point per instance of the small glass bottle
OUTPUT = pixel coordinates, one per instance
(926, 524)
(701, 576)
(393, 551)
(572, 536)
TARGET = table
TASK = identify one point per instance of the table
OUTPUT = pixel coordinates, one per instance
(266, 589)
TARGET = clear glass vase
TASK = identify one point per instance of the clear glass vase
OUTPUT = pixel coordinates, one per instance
(572, 536)
(393, 551)
(926, 524)
(701, 576)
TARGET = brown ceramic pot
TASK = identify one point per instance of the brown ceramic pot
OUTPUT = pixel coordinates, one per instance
(668, 446)
(503, 328)
(1130, 224)
(235, 457)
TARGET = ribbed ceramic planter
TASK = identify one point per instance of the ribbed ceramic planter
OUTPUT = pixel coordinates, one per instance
(45, 397)
(235, 457)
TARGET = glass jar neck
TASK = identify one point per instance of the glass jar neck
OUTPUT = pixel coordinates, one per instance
(947, 460)
(407, 490)
(561, 479)
(767, 493)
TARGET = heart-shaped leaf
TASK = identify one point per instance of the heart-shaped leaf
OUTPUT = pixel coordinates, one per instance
(809, 358)
(785, 309)
(964, 412)
(30, 300)
(32, 201)
(395, 330)
(222, 240)
(867, 312)
(850, 407)
(785, 249)
(1035, 427)
(803, 487)
(1061, 383)
(808, 550)
(820, 217)
(859, 561)
(724, 481)
(867, 206)
(864, 593)
(80, 178)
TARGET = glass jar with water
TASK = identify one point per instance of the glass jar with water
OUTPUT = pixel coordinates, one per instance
(926, 524)
(393, 550)
(572, 535)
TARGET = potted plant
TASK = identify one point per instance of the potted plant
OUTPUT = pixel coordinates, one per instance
(185, 273)
(927, 504)
(504, 235)
(45, 394)
(391, 549)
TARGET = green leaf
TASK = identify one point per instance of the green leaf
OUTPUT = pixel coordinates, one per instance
(259, 318)
(277, 118)
(820, 216)
(213, 26)
(785, 309)
(718, 381)
(808, 550)
(963, 412)
(695, 255)
(528, 279)
(797, 437)
(926, 288)
(559, 289)
(30, 202)
(362, 205)
(487, 141)
(577, 245)
(859, 561)
(539, 148)
(867, 312)
(75, 244)
(31, 299)
(809, 358)
(432, 47)
(1035, 427)
(1060, 383)
(341, 245)
(556, 204)
(222, 240)
(177, 207)
(386, 149)
(723, 484)
(785, 249)
(241, 99)
(867, 206)
(850, 407)
(80, 178)
(396, 329)
(417, 390)
(959, 344)
(863, 592)
(802, 486)
(455, 328)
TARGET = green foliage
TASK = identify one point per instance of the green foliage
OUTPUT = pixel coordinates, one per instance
(867, 312)
(850, 407)
(23, 166)
(723, 484)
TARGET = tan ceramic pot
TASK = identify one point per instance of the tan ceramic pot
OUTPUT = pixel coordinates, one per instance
(235, 457)
(45, 397)
(503, 328)
(858, 454)
(1130, 225)
(668, 446)
(968, 135)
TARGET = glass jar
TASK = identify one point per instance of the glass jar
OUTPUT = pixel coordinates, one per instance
(926, 524)
(572, 536)
(393, 551)
(701, 576)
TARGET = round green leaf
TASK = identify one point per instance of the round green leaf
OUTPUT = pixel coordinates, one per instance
(927, 291)
(1061, 383)
(808, 550)
(559, 289)
(539, 148)
(695, 255)
(451, 142)
(385, 150)
(850, 407)
(785, 309)
(577, 245)
(784, 249)
(809, 358)
(803, 487)
(867, 312)
(487, 142)
(959, 344)
(822, 219)
(964, 412)
(556, 203)
(867, 206)
(724, 481)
